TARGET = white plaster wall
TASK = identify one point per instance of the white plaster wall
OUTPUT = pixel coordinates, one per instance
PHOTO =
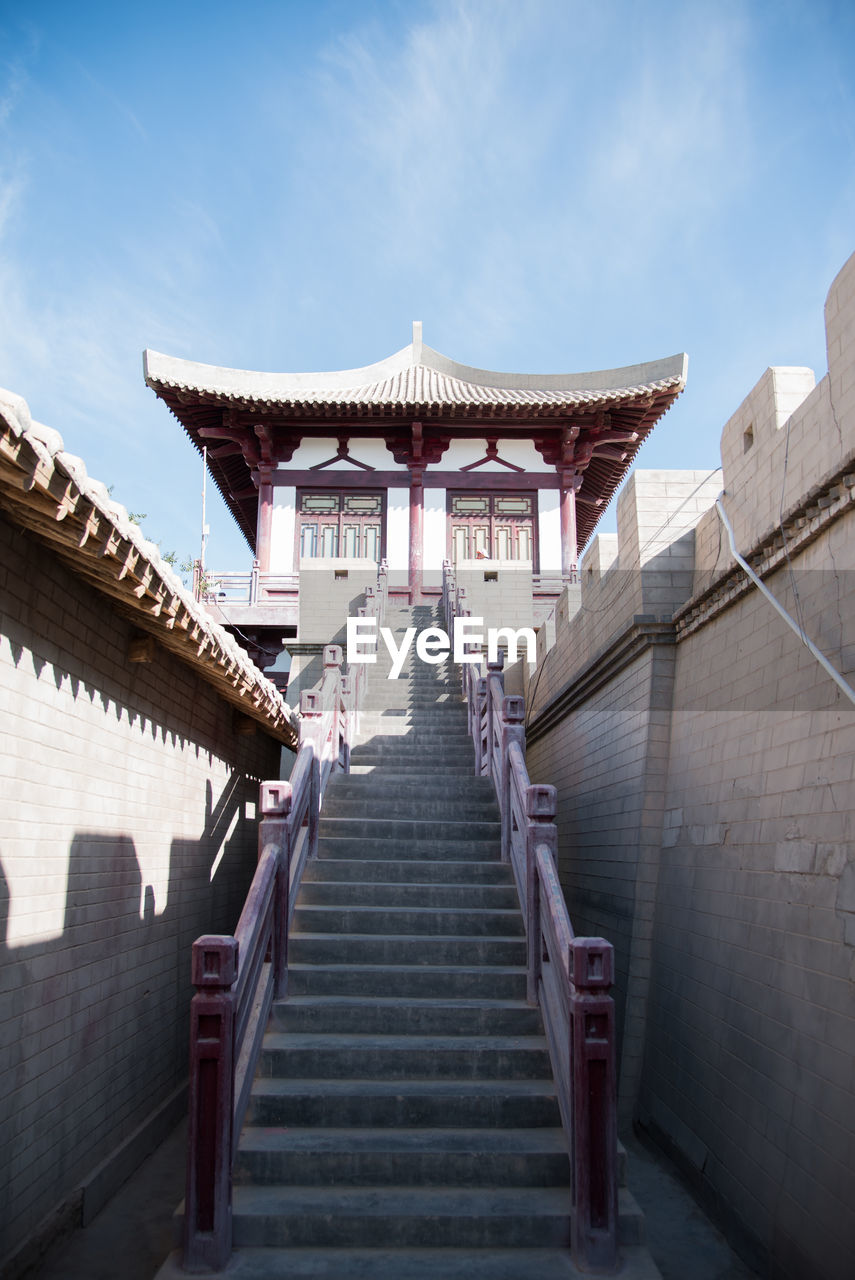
(316, 449)
(435, 541)
(282, 531)
(461, 453)
(549, 530)
(398, 528)
(521, 453)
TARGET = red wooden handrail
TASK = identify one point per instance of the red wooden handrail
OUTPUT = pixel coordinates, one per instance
(237, 978)
(568, 977)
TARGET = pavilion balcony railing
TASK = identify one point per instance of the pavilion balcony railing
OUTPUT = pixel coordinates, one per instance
(250, 587)
(568, 977)
(238, 977)
(554, 582)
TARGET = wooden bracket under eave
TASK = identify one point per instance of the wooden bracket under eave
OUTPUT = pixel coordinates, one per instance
(142, 649)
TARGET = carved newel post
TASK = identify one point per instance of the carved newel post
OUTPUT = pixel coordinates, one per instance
(592, 1049)
(208, 1202)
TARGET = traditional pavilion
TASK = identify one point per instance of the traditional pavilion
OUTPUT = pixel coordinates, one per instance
(416, 459)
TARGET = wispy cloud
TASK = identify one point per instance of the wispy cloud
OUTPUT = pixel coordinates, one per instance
(118, 104)
(511, 155)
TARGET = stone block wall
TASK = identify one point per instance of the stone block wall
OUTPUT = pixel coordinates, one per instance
(599, 728)
(127, 829)
(748, 1073)
(329, 594)
(705, 765)
(498, 591)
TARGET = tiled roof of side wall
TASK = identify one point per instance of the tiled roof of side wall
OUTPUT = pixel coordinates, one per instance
(47, 490)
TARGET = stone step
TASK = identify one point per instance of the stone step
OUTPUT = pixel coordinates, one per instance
(383, 687)
(477, 1217)
(448, 704)
(355, 862)
(427, 724)
(412, 806)
(398, 850)
(315, 1056)
(406, 830)
(390, 784)
(395, 749)
(423, 744)
(454, 739)
(444, 674)
(368, 949)
(392, 1104)
(404, 1217)
(412, 1264)
(408, 756)
(462, 897)
(412, 774)
(415, 674)
(388, 1015)
(434, 922)
(416, 980)
(403, 1157)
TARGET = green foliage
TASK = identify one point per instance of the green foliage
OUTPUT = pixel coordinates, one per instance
(183, 567)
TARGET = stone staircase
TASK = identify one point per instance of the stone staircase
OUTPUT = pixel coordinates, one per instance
(404, 1122)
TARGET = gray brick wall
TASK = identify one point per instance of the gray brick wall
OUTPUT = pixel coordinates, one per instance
(751, 1028)
(126, 830)
(705, 818)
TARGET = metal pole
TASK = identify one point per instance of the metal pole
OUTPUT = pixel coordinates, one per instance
(204, 504)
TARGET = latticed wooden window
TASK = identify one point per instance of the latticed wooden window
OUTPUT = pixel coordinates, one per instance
(340, 524)
(491, 526)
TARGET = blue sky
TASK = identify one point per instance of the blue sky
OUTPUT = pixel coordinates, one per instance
(548, 185)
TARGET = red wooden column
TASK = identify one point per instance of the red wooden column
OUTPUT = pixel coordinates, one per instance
(417, 514)
(570, 482)
(417, 520)
(265, 518)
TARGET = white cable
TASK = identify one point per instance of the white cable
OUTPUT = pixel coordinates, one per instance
(820, 657)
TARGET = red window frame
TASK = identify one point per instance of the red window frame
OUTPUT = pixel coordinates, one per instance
(493, 519)
(340, 518)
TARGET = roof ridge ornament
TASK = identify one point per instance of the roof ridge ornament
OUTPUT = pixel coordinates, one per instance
(417, 342)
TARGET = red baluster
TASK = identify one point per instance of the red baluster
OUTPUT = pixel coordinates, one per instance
(208, 1202)
(275, 800)
(513, 731)
(592, 1048)
(540, 803)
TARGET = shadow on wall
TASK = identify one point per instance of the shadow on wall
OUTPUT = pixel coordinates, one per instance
(96, 1020)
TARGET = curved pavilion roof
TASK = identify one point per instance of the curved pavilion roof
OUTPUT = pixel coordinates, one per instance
(415, 384)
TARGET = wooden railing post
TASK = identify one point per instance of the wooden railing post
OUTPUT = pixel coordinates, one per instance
(540, 805)
(331, 698)
(592, 1050)
(447, 595)
(311, 731)
(494, 675)
(348, 721)
(461, 610)
(383, 587)
(478, 704)
(513, 730)
(208, 1200)
(274, 828)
